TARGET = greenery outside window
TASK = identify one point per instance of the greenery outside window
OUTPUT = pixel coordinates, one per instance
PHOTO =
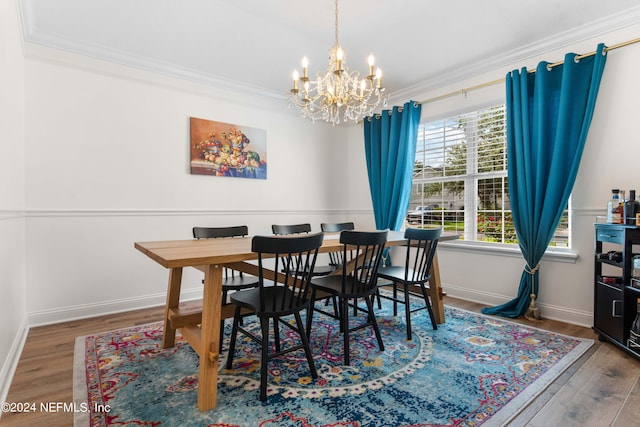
(460, 179)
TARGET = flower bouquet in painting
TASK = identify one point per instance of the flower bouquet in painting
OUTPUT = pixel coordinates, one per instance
(222, 149)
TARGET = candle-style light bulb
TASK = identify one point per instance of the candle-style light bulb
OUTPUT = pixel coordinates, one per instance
(371, 62)
(339, 56)
(305, 65)
(379, 77)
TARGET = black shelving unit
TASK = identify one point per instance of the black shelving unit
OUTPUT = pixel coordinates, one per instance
(614, 297)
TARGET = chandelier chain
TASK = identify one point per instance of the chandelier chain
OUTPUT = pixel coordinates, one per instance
(337, 44)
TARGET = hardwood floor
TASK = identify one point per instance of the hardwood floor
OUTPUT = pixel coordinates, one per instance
(601, 389)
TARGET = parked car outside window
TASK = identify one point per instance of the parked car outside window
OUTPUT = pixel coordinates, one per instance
(420, 213)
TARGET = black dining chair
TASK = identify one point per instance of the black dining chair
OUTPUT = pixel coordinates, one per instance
(420, 250)
(336, 258)
(278, 299)
(288, 229)
(358, 280)
(232, 280)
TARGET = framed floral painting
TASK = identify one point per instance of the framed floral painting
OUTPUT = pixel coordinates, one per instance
(223, 149)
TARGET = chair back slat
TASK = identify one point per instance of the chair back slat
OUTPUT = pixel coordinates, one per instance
(217, 232)
(291, 229)
(336, 227)
(295, 258)
(367, 248)
(421, 248)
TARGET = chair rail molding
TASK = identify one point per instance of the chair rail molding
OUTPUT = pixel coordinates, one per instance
(11, 214)
(35, 213)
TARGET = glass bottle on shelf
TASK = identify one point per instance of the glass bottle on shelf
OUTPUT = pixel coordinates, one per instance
(620, 211)
(635, 267)
(612, 206)
(631, 208)
(634, 335)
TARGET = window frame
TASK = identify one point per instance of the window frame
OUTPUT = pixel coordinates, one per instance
(471, 180)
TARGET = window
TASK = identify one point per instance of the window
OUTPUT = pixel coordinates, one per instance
(460, 179)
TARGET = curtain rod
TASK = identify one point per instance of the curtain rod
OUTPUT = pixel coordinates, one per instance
(493, 82)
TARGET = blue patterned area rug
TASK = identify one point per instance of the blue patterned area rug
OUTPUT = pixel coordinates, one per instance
(473, 370)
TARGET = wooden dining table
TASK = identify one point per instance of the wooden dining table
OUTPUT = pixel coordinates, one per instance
(199, 323)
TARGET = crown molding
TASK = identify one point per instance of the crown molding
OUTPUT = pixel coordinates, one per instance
(568, 38)
(241, 92)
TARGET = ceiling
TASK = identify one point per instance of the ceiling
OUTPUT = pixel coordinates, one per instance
(254, 45)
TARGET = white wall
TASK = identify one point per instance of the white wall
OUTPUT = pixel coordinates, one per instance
(107, 164)
(13, 322)
(610, 160)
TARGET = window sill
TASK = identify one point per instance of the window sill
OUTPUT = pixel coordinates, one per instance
(552, 254)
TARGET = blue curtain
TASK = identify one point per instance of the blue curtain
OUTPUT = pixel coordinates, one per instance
(548, 118)
(390, 148)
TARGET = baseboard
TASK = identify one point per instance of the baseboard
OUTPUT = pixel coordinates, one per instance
(11, 362)
(65, 314)
(552, 312)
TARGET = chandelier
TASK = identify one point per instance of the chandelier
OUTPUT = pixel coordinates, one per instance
(337, 92)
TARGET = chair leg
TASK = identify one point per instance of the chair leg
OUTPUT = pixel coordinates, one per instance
(234, 334)
(307, 347)
(338, 313)
(429, 308)
(221, 335)
(395, 299)
(264, 323)
(344, 325)
(276, 333)
(374, 323)
(407, 311)
(312, 301)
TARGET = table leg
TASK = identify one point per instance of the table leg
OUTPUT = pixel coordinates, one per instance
(173, 300)
(210, 335)
(435, 291)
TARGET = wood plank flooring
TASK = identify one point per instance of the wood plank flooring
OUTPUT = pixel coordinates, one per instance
(601, 389)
